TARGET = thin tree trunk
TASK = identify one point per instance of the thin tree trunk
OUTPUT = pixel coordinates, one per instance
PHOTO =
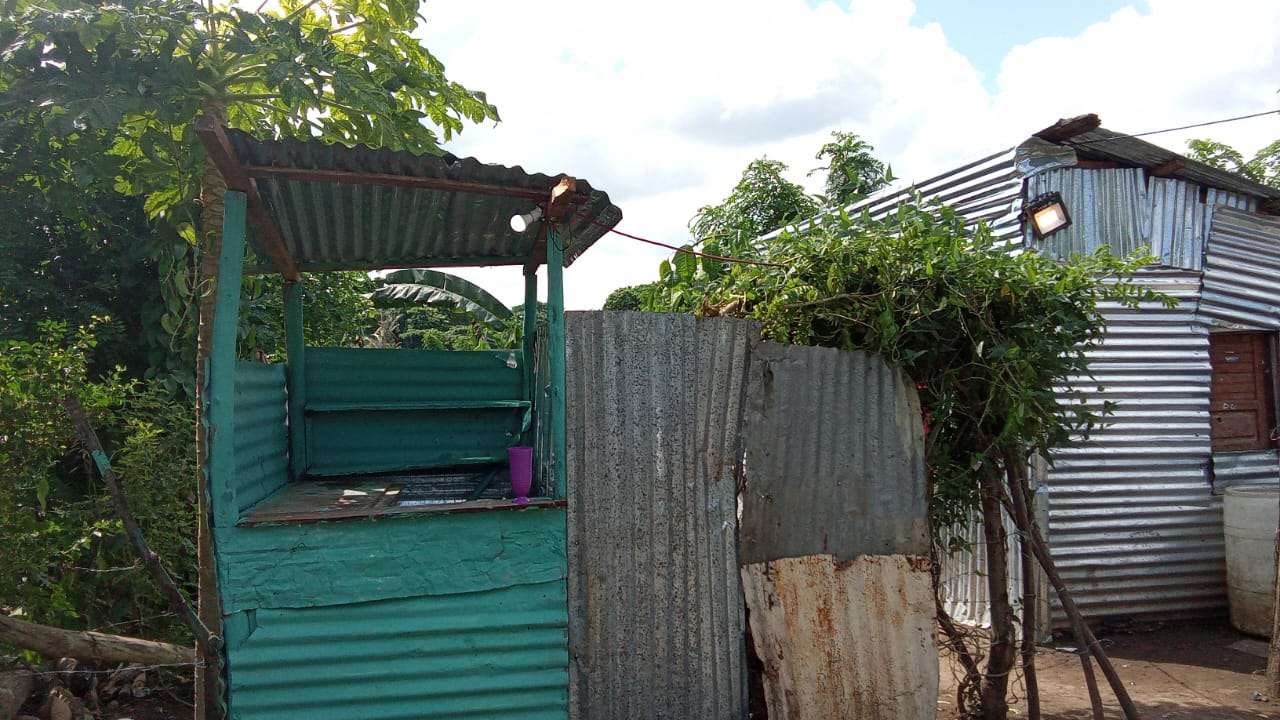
(57, 643)
(1024, 516)
(955, 642)
(1002, 652)
(213, 190)
(1079, 626)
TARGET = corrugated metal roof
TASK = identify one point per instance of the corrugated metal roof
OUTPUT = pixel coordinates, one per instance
(1133, 526)
(493, 654)
(989, 189)
(834, 457)
(1242, 271)
(1254, 467)
(330, 225)
(654, 406)
(1104, 144)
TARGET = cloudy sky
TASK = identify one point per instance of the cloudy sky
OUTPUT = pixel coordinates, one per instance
(662, 103)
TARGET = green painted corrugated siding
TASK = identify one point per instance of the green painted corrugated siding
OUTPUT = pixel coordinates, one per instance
(355, 561)
(495, 654)
(261, 437)
(379, 440)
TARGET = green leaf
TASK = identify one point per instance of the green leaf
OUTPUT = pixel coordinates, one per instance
(423, 286)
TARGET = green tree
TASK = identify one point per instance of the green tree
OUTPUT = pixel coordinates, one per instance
(763, 200)
(633, 297)
(1263, 167)
(129, 79)
(852, 171)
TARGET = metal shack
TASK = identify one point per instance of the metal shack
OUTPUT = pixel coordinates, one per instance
(1134, 515)
(371, 561)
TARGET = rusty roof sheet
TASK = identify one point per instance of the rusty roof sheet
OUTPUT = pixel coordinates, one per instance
(330, 220)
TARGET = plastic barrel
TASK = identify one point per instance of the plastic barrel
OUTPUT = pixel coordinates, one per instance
(1250, 516)
(520, 459)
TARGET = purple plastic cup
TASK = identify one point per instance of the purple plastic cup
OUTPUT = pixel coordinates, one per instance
(521, 460)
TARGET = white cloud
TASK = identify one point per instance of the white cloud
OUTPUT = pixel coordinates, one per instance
(663, 103)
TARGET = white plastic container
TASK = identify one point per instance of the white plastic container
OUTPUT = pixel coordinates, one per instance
(1250, 517)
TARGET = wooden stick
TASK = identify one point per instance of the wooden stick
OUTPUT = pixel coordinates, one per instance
(54, 642)
(89, 439)
(1016, 471)
(1091, 682)
(1078, 624)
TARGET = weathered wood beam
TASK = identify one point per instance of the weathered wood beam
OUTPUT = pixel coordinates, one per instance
(348, 177)
(1167, 168)
(98, 647)
(1068, 128)
(214, 138)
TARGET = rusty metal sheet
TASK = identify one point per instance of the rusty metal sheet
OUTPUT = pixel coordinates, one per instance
(834, 457)
(845, 640)
(654, 406)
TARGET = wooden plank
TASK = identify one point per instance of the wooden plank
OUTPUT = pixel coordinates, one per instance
(220, 406)
(1068, 128)
(324, 500)
(555, 351)
(214, 138)
(295, 349)
(347, 177)
(844, 640)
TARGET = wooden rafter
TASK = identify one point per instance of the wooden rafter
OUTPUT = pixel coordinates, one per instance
(218, 147)
(410, 181)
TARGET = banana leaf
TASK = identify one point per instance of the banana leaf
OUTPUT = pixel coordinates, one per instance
(421, 286)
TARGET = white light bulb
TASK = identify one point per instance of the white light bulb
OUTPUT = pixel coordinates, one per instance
(520, 223)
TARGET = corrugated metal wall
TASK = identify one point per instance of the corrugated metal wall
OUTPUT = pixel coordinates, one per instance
(261, 437)
(1180, 219)
(834, 457)
(654, 407)
(1133, 526)
(368, 410)
(844, 640)
(498, 653)
(1254, 467)
(1107, 207)
(1242, 271)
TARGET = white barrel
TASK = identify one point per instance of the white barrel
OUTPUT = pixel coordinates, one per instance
(1250, 517)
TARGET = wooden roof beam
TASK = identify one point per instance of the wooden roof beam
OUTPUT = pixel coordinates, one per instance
(214, 138)
(409, 181)
(559, 206)
(1069, 127)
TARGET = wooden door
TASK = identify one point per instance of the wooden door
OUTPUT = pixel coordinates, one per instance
(1242, 413)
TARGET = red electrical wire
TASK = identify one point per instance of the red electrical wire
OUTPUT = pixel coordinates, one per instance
(690, 251)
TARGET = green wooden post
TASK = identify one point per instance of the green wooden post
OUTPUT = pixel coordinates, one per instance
(221, 391)
(295, 347)
(555, 350)
(529, 339)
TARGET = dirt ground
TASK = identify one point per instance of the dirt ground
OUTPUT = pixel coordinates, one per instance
(1188, 671)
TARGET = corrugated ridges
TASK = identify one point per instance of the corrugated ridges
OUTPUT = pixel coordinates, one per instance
(377, 375)
(1107, 207)
(654, 407)
(986, 190)
(1132, 525)
(328, 225)
(1242, 271)
(834, 457)
(1255, 467)
(260, 433)
(493, 654)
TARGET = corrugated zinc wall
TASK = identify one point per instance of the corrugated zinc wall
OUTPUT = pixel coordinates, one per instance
(260, 433)
(834, 457)
(1242, 271)
(654, 407)
(1133, 526)
(371, 410)
(1254, 467)
(1180, 219)
(1107, 207)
